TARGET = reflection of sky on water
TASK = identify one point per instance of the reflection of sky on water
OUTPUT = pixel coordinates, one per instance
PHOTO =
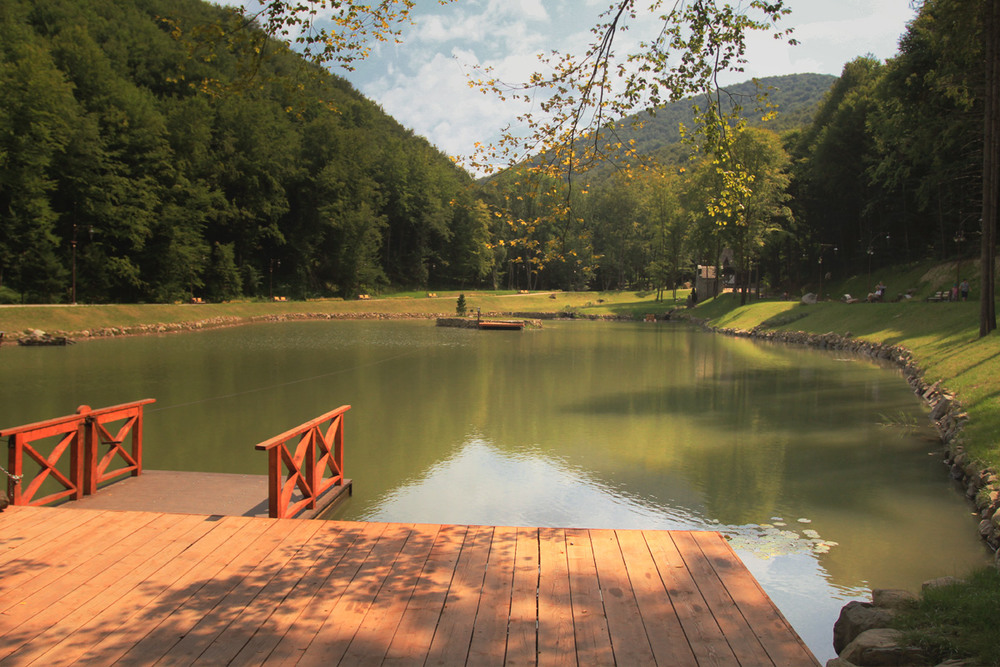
(480, 484)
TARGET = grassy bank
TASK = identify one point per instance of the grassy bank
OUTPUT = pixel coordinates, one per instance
(70, 319)
(943, 337)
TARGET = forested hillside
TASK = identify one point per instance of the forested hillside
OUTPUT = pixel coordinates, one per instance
(145, 155)
(159, 174)
(891, 169)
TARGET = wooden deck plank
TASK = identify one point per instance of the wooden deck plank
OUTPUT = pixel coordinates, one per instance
(663, 627)
(593, 641)
(489, 636)
(307, 625)
(188, 589)
(769, 625)
(374, 635)
(738, 633)
(217, 575)
(288, 569)
(628, 635)
(703, 633)
(522, 626)
(338, 630)
(453, 635)
(411, 643)
(556, 644)
(37, 545)
(336, 540)
(169, 588)
(249, 579)
(64, 642)
(50, 599)
(34, 585)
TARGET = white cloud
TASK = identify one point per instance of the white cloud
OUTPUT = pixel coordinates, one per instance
(423, 83)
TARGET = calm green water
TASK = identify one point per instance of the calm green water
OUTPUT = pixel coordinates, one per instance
(785, 450)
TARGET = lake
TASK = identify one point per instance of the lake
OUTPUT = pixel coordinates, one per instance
(820, 467)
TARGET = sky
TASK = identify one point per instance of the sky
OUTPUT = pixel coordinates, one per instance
(423, 83)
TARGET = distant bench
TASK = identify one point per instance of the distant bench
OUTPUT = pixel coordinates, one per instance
(279, 298)
(940, 296)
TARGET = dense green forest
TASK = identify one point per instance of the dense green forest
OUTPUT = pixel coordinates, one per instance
(139, 164)
(157, 174)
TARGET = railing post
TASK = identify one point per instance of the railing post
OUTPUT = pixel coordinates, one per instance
(137, 442)
(274, 483)
(87, 434)
(313, 473)
(14, 467)
(338, 444)
(78, 460)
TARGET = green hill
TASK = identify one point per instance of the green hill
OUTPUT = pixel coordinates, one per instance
(160, 150)
(656, 133)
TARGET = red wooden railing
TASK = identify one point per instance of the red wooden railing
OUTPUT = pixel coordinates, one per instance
(81, 435)
(296, 478)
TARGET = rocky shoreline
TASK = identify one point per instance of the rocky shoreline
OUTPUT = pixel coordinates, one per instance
(233, 321)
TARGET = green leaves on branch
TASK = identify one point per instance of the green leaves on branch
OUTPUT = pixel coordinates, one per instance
(583, 97)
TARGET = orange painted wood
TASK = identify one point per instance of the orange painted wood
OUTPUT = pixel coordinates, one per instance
(739, 634)
(314, 465)
(59, 604)
(250, 577)
(35, 535)
(142, 588)
(81, 437)
(590, 625)
(246, 609)
(556, 643)
(90, 557)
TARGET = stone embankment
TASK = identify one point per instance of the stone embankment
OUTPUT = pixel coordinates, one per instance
(216, 323)
(862, 636)
(231, 321)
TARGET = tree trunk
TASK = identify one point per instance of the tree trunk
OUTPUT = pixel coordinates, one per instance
(991, 169)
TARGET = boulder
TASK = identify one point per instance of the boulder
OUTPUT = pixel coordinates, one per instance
(890, 598)
(884, 647)
(941, 582)
(809, 299)
(857, 617)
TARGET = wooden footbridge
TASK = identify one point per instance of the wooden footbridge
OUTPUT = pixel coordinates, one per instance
(102, 587)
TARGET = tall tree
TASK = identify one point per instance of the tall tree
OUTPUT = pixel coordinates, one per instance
(991, 168)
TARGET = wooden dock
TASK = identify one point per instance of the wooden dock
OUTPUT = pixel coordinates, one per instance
(204, 493)
(98, 587)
